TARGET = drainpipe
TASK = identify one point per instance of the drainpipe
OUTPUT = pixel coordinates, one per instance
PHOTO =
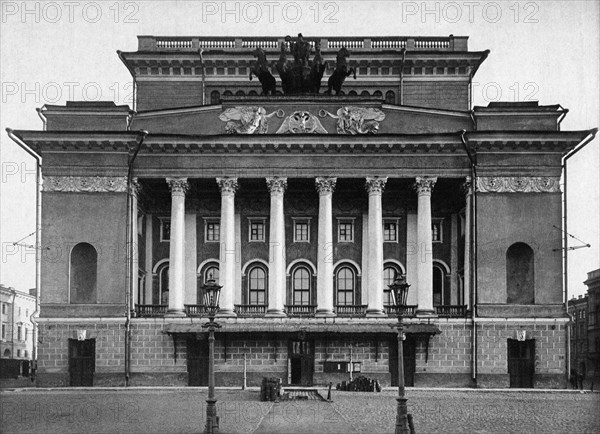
(130, 252)
(591, 135)
(400, 87)
(38, 235)
(473, 251)
(200, 51)
(40, 113)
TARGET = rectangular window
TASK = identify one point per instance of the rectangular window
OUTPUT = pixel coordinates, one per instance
(19, 332)
(165, 229)
(301, 230)
(18, 353)
(212, 231)
(256, 229)
(345, 231)
(3, 331)
(436, 230)
(390, 230)
(3, 308)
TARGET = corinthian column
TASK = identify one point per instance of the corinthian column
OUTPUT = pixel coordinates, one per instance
(178, 187)
(424, 185)
(134, 248)
(375, 188)
(276, 187)
(325, 187)
(227, 251)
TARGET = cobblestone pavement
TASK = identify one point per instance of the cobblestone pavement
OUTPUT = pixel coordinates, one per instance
(183, 411)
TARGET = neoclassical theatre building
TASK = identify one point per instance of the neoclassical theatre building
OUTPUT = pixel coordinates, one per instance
(304, 192)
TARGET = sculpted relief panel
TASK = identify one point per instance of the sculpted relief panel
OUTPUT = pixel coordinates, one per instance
(356, 120)
(301, 122)
(518, 184)
(247, 120)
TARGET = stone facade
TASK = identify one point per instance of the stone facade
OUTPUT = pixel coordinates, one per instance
(304, 208)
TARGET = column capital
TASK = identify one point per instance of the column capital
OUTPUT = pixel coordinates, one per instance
(375, 185)
(178, 186)
(276, 185)
(467, 186)
(424, 185)
(227, 185)
(135, 188)
(325, 185)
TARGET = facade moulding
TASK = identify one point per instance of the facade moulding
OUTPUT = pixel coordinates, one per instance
(518, 184)
(85, 184)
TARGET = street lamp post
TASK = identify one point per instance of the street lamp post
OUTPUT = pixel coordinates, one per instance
(399, 291)
(211, 303)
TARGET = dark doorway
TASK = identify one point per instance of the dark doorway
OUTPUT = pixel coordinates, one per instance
(521, 362)
(197, 362)
(82, 362)
(302, 362)
(409, 349)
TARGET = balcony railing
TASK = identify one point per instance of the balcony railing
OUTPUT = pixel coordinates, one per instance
(350, 310)
(195, 310)
(150, 310)
(250, 310)
(271, 43)
(300, 310)
(455, 311)
(407, 311)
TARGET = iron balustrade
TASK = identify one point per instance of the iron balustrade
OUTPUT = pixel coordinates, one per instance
(351, 310)
(300, 309)
(195, 310)
(150, 310)
(407, 311)
(250, 310)
(454, 311)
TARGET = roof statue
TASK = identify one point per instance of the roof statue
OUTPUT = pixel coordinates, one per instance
(301, 75)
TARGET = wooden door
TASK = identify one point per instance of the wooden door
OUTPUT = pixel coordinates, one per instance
(409, 353)
(302, 362)
(521, 363)
(82, 362)
(197, 362)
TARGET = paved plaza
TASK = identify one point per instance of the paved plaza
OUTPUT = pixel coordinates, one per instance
(177, 410)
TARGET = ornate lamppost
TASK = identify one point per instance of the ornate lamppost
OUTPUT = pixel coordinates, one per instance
(399, 291)
(211, 304)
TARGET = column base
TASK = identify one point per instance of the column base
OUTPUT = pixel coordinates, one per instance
(226, 313)
(275, 313)
(175, 313)
(325, 313)
(376, 313)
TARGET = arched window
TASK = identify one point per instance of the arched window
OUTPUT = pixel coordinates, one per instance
(215, 97)
(345, 285)
(390, 272)
(365, 93)
(439, 277)
(240, 93)
(519, 274)
(163, 284)
(211, 272)
(253, 93)
(301, 280)
(378, 94)
(390, 97)
(227, 93)
(257, 285)
(352, 93)
(83, 274)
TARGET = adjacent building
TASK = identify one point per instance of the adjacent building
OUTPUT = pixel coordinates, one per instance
(304, 208)
(15, 318)
(593, 326)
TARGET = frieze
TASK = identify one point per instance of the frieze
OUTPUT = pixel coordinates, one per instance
(356, 120)
(518, 184)
(248, 120)
(85, 184)
(301, 122)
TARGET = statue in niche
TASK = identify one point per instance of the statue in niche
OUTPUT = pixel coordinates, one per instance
(301, 122)
(356, 120)
(261, 69)
(247, 120)
(336, 80)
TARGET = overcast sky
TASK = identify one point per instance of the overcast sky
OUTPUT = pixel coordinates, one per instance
(52, 52)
